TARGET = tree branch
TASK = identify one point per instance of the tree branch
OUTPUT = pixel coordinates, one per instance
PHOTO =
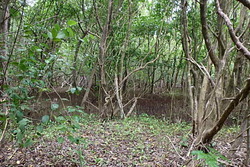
(238, 98)
(231, 30)
(245, 3)
(203, 8)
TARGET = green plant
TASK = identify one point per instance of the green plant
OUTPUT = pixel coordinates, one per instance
(70, 125)
(211, 158)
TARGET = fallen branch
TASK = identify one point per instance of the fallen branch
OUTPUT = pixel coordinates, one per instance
(175, 148)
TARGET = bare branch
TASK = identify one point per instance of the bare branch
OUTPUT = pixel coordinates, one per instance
(203, 8)
(203, 69)
(238, 98)
(231, 30)
(132, 107)
(139, 68)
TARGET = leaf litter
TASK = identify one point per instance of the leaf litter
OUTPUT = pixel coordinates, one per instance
(138, 141)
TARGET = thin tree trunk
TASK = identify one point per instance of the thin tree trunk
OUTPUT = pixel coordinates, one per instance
(102, 57)
(186, 49)
(4, 28)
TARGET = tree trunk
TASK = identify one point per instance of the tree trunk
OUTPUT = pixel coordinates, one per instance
(4, 28)
(102, 57)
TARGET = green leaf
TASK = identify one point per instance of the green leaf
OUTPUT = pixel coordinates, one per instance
(70, 31)
(57, 27)
(71, 22)
(71, 139)
(22, 123)
(50, 35)
(54, 106)
(28, 143)
(23, 66)
(60, 119)
(60, 35)
(45, 119)
(71, 109)
(39, 129)
(3, 117)
(19, 115)
(54, 33)
(19, 137)
(73, 90)
(60, 140)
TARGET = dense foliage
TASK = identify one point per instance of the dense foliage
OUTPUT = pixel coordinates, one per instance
(68, 58)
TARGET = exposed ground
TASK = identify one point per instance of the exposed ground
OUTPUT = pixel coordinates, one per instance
(86, 141)
(159, 140)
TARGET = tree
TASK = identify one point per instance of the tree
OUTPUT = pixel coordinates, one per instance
(212, 107)
(4, 29)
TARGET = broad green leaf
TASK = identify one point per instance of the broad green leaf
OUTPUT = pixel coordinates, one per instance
(71, 109)
(54, 106)
(39, 129)
(3, 57)
(57, 27)
(91, 36)
(70, 31)
(21, 49)
(60, 119)
(54, 33)
(19, 115)
(3, 117)
(63, 128)
(45, 119)
(60, 35)
(23, 122)
(71, 22)
(39, 50)
(50, 35)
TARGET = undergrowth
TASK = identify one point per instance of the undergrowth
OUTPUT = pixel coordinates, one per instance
(141, 140)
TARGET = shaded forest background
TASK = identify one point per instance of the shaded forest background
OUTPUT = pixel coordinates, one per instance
(177, 60)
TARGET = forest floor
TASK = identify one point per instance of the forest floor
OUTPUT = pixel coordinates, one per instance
(137, 141)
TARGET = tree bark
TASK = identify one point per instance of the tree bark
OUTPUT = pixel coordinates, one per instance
(209, 134)
(203, 14)
(233, 36)
(245, 3)
(102, 57)
(4, 28)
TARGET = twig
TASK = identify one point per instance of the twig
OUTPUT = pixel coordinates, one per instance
(202, 69)
(4, 130)
(58, 96)
(92, 105)
(13, 154)
(132, 107)
(190, 149)
(175, 148)
(139, 68)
